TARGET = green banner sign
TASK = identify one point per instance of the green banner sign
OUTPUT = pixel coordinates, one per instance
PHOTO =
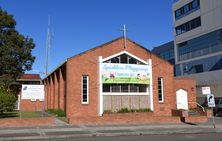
(125, 74)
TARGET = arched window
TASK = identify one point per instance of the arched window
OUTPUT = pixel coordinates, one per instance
(124, 59)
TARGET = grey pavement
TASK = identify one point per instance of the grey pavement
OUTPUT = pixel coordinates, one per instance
(64, 131)
(174, 137)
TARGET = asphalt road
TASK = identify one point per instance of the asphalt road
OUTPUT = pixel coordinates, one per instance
(175, 137)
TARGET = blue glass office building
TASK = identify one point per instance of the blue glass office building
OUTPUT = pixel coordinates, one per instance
(197, 47)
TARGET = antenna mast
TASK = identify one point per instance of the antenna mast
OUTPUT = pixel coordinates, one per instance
(48, 46)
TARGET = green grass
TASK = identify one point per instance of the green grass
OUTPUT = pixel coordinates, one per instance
(30, 114)
(57, 112)
(21, 114)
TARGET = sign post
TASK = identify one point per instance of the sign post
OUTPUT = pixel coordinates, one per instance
(211, 103)
(206, 90)
(210, 100)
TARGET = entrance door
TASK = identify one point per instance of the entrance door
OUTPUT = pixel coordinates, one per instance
(182, 102)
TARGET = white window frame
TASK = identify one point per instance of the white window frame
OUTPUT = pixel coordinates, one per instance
(125, 52)
(87, 78)
(162, 94)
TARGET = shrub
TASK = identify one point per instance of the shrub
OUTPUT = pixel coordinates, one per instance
(57, 112)
(107, 112)
(123, 110)
(60, 113)
(7, 101)
(126, 110)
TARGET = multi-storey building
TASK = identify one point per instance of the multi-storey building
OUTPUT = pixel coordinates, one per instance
(198, 42)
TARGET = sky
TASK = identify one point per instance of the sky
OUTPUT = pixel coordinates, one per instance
(79, 25)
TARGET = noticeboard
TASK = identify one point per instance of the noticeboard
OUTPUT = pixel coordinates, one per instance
(33, 92)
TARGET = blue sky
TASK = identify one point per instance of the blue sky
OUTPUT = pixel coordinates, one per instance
(79, 25)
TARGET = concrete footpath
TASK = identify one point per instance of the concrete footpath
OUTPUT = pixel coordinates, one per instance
(68, 131)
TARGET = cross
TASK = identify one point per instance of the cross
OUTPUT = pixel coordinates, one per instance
(124, 34)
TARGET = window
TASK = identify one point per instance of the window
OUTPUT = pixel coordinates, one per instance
(125, 88)
(195, 4)
(198, 68)
(187, 9)
(124, 59)
(160, 89)
(85, 89)
(188, 26)
(202, 45)
(177, 13)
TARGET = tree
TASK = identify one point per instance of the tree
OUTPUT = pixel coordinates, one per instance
(7, 101)
(15, 51)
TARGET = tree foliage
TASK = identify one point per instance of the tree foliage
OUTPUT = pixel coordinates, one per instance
(7, 101)
(15, 50)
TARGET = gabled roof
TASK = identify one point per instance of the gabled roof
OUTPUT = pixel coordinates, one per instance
(28, 77)
(102, 45)
(121, 37)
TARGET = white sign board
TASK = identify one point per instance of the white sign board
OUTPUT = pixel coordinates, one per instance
(33, 92)
(206, 90)
(182, 101)
(210, 100)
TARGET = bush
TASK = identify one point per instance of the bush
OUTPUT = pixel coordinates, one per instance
(144, 110)
(57, 112)
(126, 110)
(107, 112)
(7, 101)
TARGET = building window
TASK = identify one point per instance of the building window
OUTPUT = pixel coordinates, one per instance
(188, 26)
(187, 9)
(85, 89)
(125, 88)
(202, 45)
(124, 59)
(160, 89)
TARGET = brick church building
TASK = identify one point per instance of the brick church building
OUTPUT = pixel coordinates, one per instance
(113, 76)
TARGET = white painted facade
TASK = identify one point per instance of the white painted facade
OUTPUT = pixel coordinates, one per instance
(149, 91)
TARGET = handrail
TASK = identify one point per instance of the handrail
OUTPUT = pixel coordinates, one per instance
(199, 105)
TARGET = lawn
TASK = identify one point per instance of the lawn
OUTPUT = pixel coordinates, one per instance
(22, 114)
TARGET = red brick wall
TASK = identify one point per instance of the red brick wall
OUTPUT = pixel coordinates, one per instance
(61, 90)
(124, 118)
(87, 64)
(28, 105)
(55, 89)
(69, 84)
(56, 92)
(189, 85)
(196, 119)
